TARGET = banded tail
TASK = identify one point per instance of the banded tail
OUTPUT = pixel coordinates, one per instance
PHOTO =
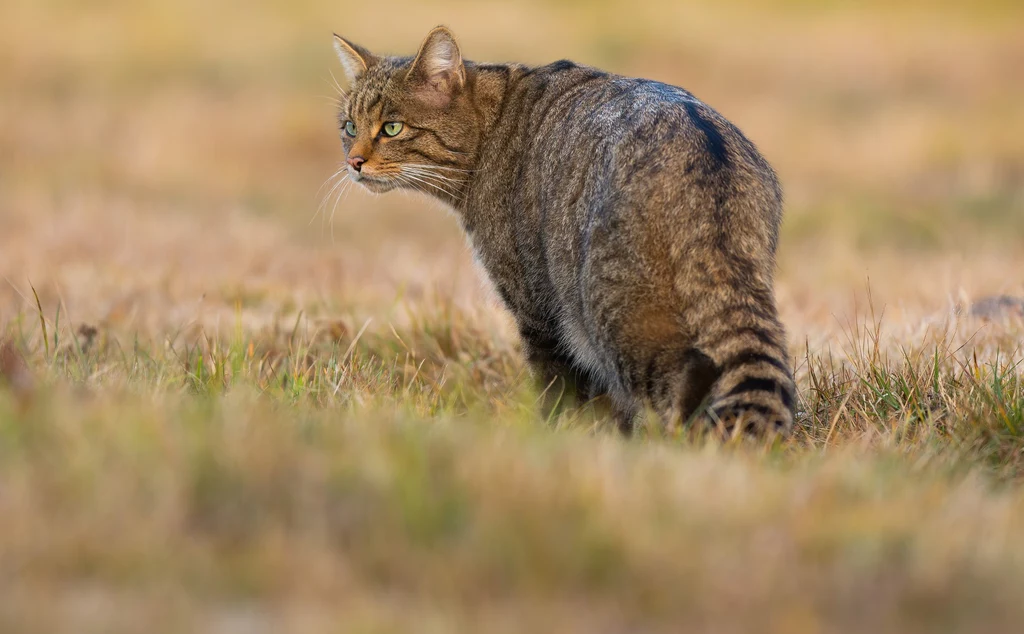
(736, 375)
(755, 387)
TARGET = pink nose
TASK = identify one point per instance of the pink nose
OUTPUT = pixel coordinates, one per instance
(356, 162)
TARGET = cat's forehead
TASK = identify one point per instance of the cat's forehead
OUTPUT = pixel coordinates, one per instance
(380, 83)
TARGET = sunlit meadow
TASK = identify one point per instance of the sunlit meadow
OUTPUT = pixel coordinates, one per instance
(236, 399)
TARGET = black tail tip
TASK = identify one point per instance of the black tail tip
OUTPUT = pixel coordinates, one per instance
(752, 420)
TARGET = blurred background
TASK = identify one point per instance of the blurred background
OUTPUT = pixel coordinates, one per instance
(160, 161)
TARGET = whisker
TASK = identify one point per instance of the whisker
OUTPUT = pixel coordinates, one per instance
(421, 170)
(427, 170)
(334, 101)
(344, 190)
(430, 172)
(412, 177)
(337, 85)
(440, 167)
(404, 180)
(458, 185)
(322, 207)
(341, 169)
(337, 183)
(436, 186)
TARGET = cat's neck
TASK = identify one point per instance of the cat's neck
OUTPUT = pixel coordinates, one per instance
(486, 89)
(490, 84)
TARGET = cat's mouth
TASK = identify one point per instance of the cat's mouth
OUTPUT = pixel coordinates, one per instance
(375, 184)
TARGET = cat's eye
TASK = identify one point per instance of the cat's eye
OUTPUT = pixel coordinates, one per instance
(350, 128)
(392, 128)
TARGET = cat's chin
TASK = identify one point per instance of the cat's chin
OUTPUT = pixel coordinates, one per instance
(376, 186)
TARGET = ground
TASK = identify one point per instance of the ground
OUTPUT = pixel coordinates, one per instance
(231, 403)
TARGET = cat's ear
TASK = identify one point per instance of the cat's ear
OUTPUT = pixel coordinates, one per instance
(437, 73)
(354, 58)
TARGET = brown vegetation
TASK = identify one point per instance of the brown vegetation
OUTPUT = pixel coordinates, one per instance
(251, 416)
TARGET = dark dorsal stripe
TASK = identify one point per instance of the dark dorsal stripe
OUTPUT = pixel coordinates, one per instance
(715, 142)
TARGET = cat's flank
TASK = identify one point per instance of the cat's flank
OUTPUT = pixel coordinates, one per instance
(629, 228)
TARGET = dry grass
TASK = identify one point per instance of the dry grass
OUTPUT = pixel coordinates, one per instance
(222, 411)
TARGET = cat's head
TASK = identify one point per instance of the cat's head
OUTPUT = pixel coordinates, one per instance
(408, 121)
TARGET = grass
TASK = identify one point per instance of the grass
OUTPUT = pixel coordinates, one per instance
(386, 479)
(223, 410)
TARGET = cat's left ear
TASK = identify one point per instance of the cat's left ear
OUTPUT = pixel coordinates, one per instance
(437, 74)
(354, 59)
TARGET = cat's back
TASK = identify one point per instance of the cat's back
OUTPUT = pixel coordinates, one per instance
(572, 115)
(569, 103)
(582, 145)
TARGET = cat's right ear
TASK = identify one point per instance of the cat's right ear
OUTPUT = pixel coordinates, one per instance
(354, 58)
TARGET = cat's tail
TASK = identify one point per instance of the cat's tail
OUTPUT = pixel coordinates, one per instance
(754, 390)
(734, 377)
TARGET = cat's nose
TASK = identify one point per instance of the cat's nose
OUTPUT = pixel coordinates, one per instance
(356, 162)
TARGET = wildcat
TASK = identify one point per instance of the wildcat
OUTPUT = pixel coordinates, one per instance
(628, 227)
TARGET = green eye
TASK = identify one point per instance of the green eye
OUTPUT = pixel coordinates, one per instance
(350, 128)
(392, 128)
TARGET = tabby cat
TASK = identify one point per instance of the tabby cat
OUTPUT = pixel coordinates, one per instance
(629, 228)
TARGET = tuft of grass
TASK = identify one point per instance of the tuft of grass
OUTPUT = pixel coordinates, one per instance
(383, 476)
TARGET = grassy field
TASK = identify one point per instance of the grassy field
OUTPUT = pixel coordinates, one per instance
(230, 404)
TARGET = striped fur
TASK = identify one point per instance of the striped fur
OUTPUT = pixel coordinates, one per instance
(629, 228)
